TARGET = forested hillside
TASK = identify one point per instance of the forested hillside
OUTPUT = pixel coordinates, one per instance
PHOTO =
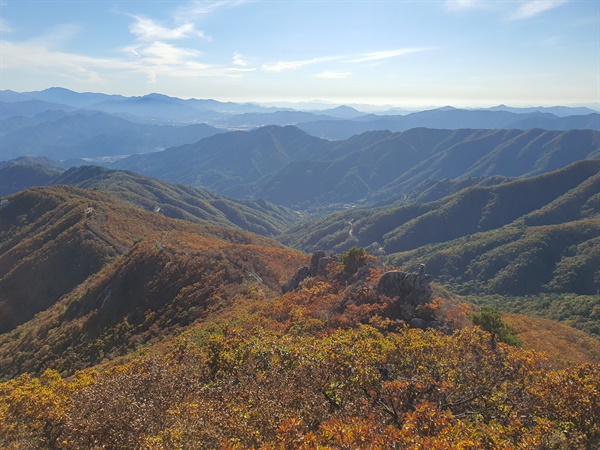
(110, 276)
(289, 167)
(451, 301)
(521, 237)
(182, 202)
(323, 366)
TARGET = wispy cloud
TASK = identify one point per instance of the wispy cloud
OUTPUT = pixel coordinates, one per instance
(204, 7)
(239, 60)
(32, 55)
(57, 36)
(535, 7)
(281, 66)
(386, 54)
(148, 30)
(334, 75)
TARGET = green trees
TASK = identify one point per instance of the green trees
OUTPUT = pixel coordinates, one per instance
(490, 320)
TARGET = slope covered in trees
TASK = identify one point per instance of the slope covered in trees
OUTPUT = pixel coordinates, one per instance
(22, 173)
(522, 237)
(109, 276)
(322, 366)
(182, 202)
(287, 166)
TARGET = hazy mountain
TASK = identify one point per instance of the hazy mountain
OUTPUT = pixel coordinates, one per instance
(560, 111)
(181, 202)
(252, 120)
(156, 106)
(227, 163)
(148, 106)
(340, 112)
(23, 173)
(14, 123)
(29, 108)
(393, 164)
(580, 122)
(450, 118)
(86, 134)
(71, 98)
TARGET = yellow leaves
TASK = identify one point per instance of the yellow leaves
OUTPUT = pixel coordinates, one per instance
(33, 408)
(355, 388)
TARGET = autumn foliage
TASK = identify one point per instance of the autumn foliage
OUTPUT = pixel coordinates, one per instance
(180, 340)
(301, 371)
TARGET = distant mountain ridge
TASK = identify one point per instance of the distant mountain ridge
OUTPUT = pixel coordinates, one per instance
(450, 119)
(287, 166)
(84, 134)
(318, 122)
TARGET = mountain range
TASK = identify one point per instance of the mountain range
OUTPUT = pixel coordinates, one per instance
(335, 123)
(287, 166)
(157, 288)
(170, 200)
(520, 237)
(169, 230)
(90, 135)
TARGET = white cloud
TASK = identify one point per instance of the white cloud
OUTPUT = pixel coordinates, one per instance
(238, 60)
(535, 7)
(386, 54)
(281, 66)
(147, 30)
(334, 75)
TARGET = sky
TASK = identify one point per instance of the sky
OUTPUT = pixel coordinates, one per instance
(464, 53)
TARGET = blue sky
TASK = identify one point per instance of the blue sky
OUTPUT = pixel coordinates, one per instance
(401, 53)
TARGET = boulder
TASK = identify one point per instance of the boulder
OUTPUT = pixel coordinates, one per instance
(412, 288)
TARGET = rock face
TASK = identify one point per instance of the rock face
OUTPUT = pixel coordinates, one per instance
(318, 267)
(412, 288)
(314, 262)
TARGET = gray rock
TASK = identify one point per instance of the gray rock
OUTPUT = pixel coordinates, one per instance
(301, 274)
(412, 288)
(322, 265)
(434, 325)
(314, 262)
(415, 322)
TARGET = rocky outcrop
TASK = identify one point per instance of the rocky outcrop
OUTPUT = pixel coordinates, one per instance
(314, 261)
(412, 288)
(318, 267)
(301, 274)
